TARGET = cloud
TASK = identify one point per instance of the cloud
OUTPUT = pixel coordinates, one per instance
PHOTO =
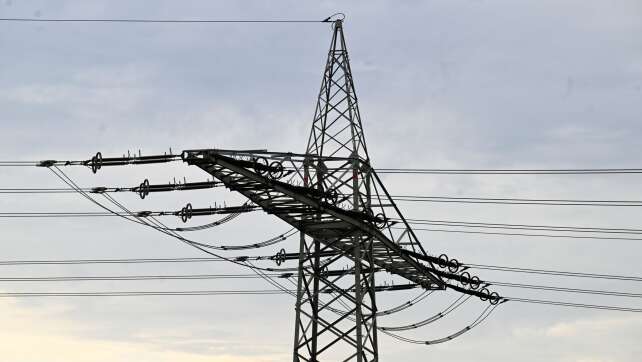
(34, 335)
(597, 326)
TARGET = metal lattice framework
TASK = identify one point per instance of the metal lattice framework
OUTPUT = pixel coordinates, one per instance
(332, 195)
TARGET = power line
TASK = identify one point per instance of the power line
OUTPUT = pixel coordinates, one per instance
(270, 257)
(140, 277)
(583, 229)
(435, 171)
(140, 293)
(575, 305)
(38, 190)
(578, 171)
(282, 275)
(516, 201)
(567, 290)
(403, 198)
(287, 275)
(145, 213)
(523, 234)
(126, 261)
(165, 21)
(555, 272)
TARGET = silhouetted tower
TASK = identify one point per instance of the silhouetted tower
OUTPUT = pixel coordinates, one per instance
(347, 317)
(351, 228)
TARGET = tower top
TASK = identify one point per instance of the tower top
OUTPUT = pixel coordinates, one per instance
(336, 127)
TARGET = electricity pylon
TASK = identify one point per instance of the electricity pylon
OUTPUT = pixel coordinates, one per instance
(345, 215)
(337, 132)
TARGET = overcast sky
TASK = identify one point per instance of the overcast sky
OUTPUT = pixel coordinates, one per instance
(441, 84)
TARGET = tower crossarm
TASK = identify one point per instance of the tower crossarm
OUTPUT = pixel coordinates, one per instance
(260, 177)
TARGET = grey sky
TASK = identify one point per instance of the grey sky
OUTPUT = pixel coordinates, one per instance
(501, 84)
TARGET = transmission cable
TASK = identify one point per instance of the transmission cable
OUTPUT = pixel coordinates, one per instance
(266, 257)
(171, 232)
(454, 305)
(566, 290)
(574, 305)
(163, 228)
(403, 306)
(580, 171)
(134, 159)
(162, 21)
(72, 184)
(139, 293)
(555, 272)
(484, 225)
(482, 317)
(140, 277)
(521, 234)
(517, 201)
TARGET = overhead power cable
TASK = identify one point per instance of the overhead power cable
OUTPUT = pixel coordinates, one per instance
(116, 261)
(432, 171)
(139, 293)
(142, 190)
(145, 213)
(574, 305)
(580, 171)
(567, 290)
(454, 305)
(140, 277)
(291, 275)
(157, 225)
(504, 228)
(162, 21)
(482, 317)
(272, 292)
(556, 272)
(270, 257)
(531, 227)
(517, 201)
(521, 234)
(402, 198)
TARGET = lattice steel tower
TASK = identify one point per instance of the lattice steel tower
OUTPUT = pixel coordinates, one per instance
(350, 226)
(337, 132)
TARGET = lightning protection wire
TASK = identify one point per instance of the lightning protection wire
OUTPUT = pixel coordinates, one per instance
(164, 21)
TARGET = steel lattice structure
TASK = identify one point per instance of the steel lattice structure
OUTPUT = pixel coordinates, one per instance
(333, 196)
